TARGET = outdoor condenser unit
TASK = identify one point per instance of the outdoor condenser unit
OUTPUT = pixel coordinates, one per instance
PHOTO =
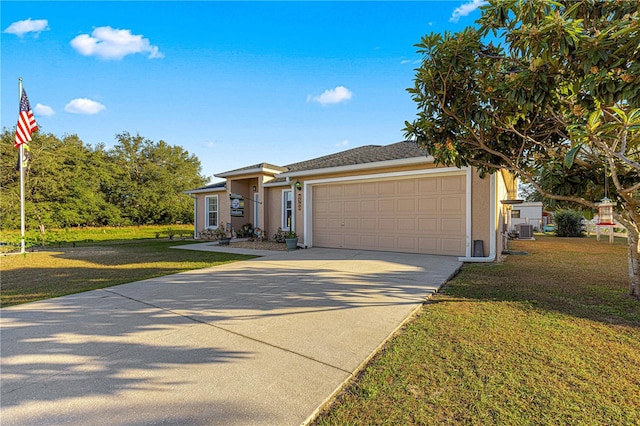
(526, 232)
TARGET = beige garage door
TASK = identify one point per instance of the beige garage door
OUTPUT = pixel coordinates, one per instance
(417, 215)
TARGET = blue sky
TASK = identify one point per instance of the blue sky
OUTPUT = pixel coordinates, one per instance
(235, 83)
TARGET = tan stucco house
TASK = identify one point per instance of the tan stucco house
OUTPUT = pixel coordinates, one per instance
(389, 198)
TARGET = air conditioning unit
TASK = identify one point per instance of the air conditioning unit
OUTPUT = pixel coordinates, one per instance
(526, 232)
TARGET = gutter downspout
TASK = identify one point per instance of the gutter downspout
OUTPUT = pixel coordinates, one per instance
(493, 226)
(195, 217)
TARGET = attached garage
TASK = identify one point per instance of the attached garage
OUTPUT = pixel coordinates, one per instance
(425, 214)
(390, 198)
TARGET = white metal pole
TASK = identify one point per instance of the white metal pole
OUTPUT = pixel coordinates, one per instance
(21, 159)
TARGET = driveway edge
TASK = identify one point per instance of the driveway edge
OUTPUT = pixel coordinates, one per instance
(353, 376)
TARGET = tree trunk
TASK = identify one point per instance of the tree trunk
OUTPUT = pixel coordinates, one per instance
(634, 263)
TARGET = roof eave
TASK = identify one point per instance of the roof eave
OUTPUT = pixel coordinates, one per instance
(364, 166)
(275, 184)
(204, 190)
(258, 170)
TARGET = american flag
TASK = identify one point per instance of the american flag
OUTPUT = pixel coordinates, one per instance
(26, 122)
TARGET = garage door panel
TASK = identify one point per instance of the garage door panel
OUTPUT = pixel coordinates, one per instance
(407, 186)
(427, 245)
(328, 240)
(417, 215)
(387, 242)
(336, 191)
(428, 225)
(406, 206)
(336, 207)
(453, 184)
(387, 188)
(321, 207)
(408, 244)
(369, 242)
(386, 206)
(351, 238)
(385, 224)
(370, 188)
(452, 225)
(334, 224)
(321, 223)
(451, 246)
(369, 206)
(351, 224)
(351, 207)
(427, 186)
(451, 204)
(351, 190)
(407, 225)
(321, 192)
(426, 205)
(368, 223)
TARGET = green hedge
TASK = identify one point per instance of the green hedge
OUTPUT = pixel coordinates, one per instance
(569, 223)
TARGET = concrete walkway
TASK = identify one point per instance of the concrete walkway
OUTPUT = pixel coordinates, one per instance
(265, 341)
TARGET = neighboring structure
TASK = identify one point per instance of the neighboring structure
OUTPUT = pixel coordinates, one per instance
(527, 213)
(390, 198)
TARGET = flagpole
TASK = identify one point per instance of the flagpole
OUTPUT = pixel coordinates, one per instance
(21, 158)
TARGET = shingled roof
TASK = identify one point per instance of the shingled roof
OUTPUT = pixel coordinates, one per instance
(211, 187)
(361, 155)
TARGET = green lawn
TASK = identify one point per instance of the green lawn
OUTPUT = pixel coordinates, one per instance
(550, 338)
(73, 268)
(70, 236)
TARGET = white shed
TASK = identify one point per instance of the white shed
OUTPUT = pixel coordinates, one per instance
(527, 213)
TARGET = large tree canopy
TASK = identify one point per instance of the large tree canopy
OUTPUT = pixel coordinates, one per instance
(150, 180)
(558, 105)
(68, 183)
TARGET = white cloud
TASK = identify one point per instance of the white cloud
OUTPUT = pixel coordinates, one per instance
(84, 106)
(343, 144)
(466, 9)
(332, 96)
(20, 28)
(110, 43)
(410, 61)
(43, 110)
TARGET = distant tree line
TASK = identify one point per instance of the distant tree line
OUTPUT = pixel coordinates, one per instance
(69, 183)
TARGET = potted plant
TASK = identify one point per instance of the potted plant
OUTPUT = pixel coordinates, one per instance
(245, 231)
(222, 236)
(291, 238)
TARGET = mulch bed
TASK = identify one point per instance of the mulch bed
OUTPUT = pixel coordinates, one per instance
(259, 245)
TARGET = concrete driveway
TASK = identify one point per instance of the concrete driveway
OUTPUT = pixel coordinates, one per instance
(264, 341)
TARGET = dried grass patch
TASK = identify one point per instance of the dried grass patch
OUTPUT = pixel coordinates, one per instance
(549, 338)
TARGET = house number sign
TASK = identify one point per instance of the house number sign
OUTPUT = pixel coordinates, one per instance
(299, 202)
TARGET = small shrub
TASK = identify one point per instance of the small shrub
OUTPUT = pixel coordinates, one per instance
(245, 231)
(213, 234)
(280, 236)
(569, 223)
(221, 232)
(259, 234)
